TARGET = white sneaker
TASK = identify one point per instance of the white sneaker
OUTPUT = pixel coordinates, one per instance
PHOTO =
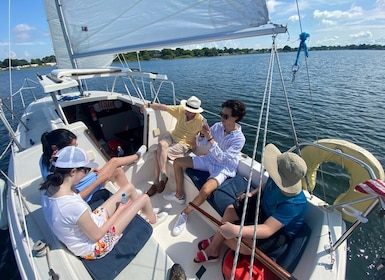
(140, 152)
(160, 218)
(180, 224)
(156, 210)
(172, 197)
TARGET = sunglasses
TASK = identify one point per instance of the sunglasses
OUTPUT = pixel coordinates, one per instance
(85, 169)
(224, 116)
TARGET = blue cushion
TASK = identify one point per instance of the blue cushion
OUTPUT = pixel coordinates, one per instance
(225, 194)
(294, 252)
(134, 237)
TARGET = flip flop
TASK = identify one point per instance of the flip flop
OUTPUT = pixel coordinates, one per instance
(202, 257)
(203, 244)
(161, 185)
(152, 190)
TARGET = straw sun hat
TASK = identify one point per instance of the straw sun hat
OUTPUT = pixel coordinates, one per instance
(286, 169)
(193, 104)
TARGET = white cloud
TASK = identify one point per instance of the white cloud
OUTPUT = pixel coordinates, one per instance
(380, 3)
(337, 14)
(365, 34)
(23, 38)
(271, 5)
(24, 34)
(294, 18)
(328, 22)
(23, 28)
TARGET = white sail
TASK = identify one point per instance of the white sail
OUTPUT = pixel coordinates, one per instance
(96, 27)
(62, 49)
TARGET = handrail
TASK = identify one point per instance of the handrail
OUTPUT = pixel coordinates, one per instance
(259, 255)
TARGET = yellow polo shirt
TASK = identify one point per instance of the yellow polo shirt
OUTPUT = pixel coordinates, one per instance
(185, 131)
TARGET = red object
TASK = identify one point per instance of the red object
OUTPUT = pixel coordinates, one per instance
(243, 267)
(373, 187)
(113, 146)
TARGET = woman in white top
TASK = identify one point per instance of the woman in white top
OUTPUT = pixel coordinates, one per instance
(87, 234)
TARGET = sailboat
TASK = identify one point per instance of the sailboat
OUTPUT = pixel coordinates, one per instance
(87, 36)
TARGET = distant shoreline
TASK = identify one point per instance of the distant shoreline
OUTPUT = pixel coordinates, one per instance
(167, 54)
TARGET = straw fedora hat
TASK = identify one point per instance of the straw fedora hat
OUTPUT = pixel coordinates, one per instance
(193, 104)
(286, 169)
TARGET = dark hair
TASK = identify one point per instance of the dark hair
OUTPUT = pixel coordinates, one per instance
(56, 178)
(60, 137)
(238, 108)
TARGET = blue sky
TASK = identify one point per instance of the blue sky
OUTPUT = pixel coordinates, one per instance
(328, 22)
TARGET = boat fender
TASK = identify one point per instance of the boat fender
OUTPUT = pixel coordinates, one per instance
(314, 157)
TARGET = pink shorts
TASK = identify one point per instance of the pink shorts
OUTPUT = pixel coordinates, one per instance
(107, 242)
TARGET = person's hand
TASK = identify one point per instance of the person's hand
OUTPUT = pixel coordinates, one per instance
(229, 230)
(122, 206)
(206, 131)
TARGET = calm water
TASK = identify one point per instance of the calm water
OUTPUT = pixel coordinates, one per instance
(345, 100)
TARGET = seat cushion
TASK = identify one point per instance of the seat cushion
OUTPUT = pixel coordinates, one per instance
(294, 252)
(225, 194)
(134, 238)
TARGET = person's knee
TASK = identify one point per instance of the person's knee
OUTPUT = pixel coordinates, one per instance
(128, 188)
(113, 162)
(205, 192)
(228, 213)
(178, 162)
(162, 145)
(144, 199)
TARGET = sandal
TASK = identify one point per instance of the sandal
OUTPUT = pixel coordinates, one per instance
(161, 185)
(202, 257)
(203, 244)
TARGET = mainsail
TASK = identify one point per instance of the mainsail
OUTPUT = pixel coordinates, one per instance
(91, 28)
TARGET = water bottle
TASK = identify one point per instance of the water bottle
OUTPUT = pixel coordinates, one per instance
(124, 198)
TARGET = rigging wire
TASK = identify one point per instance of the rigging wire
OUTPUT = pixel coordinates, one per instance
(264, 103)
(9, 53)
(303, 37)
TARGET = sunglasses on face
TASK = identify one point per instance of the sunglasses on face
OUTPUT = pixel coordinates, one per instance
(224, 116)
(85, 169)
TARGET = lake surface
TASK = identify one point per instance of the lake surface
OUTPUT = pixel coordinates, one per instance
(340, 94)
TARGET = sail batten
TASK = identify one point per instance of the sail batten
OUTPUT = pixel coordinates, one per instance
(99, 27)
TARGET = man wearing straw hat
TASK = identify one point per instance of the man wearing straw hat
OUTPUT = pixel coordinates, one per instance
(282, 211)
(177, 142)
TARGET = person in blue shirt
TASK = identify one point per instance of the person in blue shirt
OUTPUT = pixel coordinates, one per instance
(282, 212)
(90, 187)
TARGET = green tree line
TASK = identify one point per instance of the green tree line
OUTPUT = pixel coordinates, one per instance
(24, 62)
(182, 53)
